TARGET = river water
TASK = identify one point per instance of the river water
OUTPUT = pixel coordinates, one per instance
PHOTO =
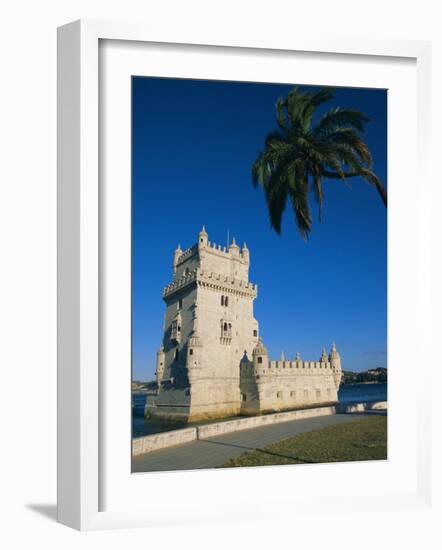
(348, 393)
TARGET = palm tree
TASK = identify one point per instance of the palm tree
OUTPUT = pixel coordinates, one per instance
(300, 154)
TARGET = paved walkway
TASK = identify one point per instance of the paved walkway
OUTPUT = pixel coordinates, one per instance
(214, 451)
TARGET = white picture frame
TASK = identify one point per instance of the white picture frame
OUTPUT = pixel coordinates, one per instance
(80, 273)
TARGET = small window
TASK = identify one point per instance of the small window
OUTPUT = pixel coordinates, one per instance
(279, 394)
(191, 352)
(222, 300)
(225, 327)
(244, 397)
(255, 333)
(175, 330)
(292, 394)
(180, 304)
(259, 359)
(226, 301)
(176, 355)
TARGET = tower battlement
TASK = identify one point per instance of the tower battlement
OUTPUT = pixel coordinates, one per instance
(211, 257)
(214, 248)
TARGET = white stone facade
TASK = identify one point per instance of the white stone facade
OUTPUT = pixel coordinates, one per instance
(212, 363)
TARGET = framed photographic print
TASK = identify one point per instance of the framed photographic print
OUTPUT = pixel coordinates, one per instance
(234, 297)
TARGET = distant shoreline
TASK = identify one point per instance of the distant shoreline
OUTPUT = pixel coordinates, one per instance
(362, 383)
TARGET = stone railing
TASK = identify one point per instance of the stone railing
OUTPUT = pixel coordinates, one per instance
(226, 283)
(180, 283)
(298, 364)
(212, 280)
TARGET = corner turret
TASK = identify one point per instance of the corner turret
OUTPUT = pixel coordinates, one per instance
(176, 256)
(203, 238)
(260, 355)
(159, 370)
(245, 253)
(323, 358)
(193, 349)
(234, 248)
(335, 362)
(334, 357)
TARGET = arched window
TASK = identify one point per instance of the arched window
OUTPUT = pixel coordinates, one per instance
(222, 300)
(225, 327)
(259, 359)
(226, 301)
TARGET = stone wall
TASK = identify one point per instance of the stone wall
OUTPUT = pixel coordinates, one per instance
(281, 385)
(228, 426)
(149, 443)
(155, 442)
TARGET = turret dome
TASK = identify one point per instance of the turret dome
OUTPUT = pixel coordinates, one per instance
(260, 349)
(334, 355)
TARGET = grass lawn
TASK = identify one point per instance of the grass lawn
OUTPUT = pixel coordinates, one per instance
(363, 439)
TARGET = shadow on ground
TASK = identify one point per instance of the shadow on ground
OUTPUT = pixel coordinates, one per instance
(49, 511)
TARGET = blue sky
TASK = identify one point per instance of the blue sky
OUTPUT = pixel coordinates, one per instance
(194, 143)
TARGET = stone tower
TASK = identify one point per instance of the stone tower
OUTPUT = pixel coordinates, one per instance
(208, 327)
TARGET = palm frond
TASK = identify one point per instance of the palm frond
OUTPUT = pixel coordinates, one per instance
(338, 117)
(281, 115)
(318, 191)
(276, 197)
(298, 191)
(348, 138)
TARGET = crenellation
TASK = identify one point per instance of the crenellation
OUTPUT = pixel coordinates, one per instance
(186, 254)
